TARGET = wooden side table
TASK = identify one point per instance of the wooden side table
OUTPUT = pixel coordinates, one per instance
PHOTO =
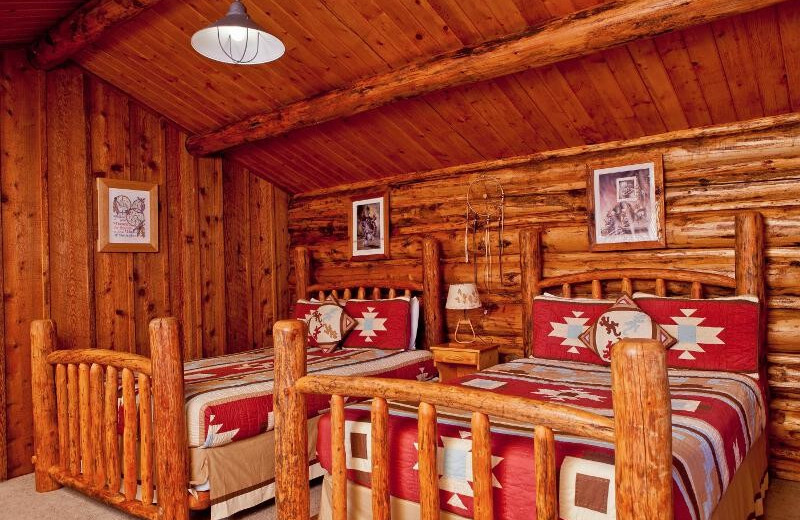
(454, 360)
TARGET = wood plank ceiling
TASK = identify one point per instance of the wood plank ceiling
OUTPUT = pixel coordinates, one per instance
(734, 69)
(21, 21)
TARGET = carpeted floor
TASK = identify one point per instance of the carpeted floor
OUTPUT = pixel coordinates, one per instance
(18, 500)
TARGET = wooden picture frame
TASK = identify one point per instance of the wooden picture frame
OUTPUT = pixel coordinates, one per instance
(127, 216)
(369, 214)
(625, 202)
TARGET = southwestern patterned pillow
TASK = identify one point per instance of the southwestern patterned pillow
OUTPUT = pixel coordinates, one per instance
(328, 323)
(714, 334)
(558, 324)
(623, 320)
(383, 324)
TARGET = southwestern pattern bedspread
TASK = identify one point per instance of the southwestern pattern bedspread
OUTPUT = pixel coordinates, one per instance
(717, 417)
(229, 398)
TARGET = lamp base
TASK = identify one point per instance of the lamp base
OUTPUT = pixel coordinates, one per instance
(474, 336)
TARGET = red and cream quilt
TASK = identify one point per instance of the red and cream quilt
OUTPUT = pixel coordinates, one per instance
(717, 416)
(229, 398)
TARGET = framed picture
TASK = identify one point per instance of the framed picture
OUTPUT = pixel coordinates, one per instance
(369, 227)
(127, 216)
(626, 205)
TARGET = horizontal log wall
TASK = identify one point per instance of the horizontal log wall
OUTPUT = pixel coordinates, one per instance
(706, 182)
(58, 132)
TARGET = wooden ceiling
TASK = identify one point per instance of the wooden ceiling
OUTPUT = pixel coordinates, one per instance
(733, 69)
(21, 21)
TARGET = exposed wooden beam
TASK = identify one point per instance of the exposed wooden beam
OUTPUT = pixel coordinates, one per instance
(579, 34)
(85, 25)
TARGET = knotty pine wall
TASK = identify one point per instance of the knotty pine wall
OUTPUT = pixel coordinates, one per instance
(58, 132)
(706, 181)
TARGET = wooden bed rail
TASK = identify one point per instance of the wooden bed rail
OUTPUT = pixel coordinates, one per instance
(77, 442)
(641, 431)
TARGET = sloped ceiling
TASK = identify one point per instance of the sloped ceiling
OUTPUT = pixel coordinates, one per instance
(21, 21)
(734, 69)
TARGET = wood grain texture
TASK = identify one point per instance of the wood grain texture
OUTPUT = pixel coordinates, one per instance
(578, 34)
(212, 256)
(83, 26)
(45, 424)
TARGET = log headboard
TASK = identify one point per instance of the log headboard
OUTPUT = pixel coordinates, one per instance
(748, 273)
(428, 290)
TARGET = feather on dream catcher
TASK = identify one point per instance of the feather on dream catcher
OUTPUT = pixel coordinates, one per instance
(485, 209)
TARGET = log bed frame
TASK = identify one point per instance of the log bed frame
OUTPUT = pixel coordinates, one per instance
(75, 401)
(640, 428)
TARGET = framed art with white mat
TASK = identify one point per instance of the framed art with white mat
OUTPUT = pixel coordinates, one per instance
(368, 226)
(127, 216)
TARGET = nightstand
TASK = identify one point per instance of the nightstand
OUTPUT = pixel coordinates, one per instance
(459, 359)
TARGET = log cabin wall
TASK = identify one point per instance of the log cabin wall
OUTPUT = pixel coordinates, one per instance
(58, 132)
(706, 181)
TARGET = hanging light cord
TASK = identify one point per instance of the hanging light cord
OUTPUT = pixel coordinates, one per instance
(229, 52)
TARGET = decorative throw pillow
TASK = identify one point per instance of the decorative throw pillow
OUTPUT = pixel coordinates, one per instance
(623, 320)
(558, 324)
(712, 334)
(328, 323)
(383, 324)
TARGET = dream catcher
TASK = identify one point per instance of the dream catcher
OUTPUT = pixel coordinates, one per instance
(485, 208)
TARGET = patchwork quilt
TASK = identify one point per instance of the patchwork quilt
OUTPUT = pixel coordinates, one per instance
(229, 398)
(717, 416)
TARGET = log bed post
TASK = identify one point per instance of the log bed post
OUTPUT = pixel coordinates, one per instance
(302, 271)
(432, 282)
(291, 434)
(750, 254)
(168, 409)
(643, 430)
(531, 270)
(45, 429)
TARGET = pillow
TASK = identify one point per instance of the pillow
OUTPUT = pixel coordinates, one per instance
(558, 324)
(383, 324)
(712, 334)
(622, 320)
(328, 323)
(414, 323)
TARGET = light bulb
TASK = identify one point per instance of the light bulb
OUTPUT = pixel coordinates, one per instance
(238, 34)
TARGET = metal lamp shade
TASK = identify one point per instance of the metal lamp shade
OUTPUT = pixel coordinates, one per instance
(235, 39)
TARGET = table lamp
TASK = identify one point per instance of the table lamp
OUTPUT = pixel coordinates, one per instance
(463, 296)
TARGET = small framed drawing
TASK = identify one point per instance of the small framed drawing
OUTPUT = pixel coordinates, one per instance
(368, 227)
(127, 216)
(626, 205)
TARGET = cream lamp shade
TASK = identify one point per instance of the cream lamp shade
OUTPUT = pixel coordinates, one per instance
(463, 296)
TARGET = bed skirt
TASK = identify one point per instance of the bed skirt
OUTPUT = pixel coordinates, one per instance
(743, 499)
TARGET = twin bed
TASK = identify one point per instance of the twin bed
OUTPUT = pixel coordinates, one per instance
(552, 433)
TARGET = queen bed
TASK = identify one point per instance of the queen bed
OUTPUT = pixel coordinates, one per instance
(207, 438)
(655, 429)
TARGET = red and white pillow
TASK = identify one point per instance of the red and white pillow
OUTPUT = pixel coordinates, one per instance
(558, 324)
(623, 320)
(384, 324)
(713, 334)
(328, 323)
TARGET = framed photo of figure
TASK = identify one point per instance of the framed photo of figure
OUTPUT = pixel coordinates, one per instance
(368, 226)
(127, 216)
(626, 204)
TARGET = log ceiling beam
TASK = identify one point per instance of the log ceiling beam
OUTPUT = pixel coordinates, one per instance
(579, 34)
(84, 26)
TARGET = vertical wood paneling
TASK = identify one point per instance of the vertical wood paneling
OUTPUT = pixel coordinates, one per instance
(212, 255)
(113, 273)
(150, 270)
(280, 253)
(22, 170)
(238, 270)
(263, 254)
(71, 225)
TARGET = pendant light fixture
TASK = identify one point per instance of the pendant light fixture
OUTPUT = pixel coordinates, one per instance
(236, 39)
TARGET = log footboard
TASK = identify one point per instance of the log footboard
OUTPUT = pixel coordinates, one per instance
(76, 428)
(641, 431)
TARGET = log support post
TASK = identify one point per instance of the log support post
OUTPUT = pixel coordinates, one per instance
(172, 466)
(302, 271)
(291, 434)
(750, 270)
(530, 244)
(45, 427)
(643, 430)
(432, 283)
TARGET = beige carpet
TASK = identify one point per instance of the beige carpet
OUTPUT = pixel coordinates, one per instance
(18, 500)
